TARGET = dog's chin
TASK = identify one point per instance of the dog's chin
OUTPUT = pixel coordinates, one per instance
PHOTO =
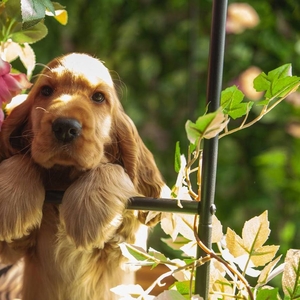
(63, 160)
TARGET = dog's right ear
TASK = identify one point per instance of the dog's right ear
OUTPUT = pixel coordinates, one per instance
(15, 134)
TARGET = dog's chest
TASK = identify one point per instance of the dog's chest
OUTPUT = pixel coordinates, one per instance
(60, 178)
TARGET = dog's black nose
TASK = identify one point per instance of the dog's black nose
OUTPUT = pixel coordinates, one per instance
(66, 130)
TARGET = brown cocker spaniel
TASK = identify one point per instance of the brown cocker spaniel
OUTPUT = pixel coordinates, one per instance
(71, 134)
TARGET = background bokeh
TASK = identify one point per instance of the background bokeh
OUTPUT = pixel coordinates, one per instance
(158, 52)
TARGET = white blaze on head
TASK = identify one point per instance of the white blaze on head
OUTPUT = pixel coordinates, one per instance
(86, 66)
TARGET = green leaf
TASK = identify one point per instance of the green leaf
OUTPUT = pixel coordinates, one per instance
(231, 101)
(12, 8)
(57, 6)
(30, 35)
(184, 287)
(157, 255)
(177, 163)
(135, 254)
(33, 11)
(278, 82)
(267, 294)
(206, 126)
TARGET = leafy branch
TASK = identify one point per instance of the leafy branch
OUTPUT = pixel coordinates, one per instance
(238, 256)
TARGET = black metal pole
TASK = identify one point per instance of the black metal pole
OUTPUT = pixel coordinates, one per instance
(143, 203)
(210, 150)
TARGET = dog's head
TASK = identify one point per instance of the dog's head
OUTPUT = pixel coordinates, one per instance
(72, 117)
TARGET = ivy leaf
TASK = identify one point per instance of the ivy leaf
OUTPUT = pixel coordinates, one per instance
(231, 101)
(30, 35)
(33, 11)
(255, 233)
(206, 126)
(278, 82)
(267, 294)
(291, 275)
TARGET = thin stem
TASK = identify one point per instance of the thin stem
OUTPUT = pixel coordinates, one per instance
(228, 295)
(228, 266)
(263, 112)
(190, 162)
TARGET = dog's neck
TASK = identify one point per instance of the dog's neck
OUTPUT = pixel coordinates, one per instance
(60, 177)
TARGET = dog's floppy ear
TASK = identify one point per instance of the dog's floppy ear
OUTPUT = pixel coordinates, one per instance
(137, 160)
(15, 130)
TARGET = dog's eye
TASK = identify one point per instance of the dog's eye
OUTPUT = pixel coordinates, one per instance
(47, 91)
(98, 97)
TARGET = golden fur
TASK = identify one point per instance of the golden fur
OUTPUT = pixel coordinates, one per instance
(71, 250)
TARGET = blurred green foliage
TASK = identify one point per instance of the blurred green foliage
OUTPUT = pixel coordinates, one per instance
(158, 51)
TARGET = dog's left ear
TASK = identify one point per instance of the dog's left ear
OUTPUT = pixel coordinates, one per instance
(12, 137)
(137, 160)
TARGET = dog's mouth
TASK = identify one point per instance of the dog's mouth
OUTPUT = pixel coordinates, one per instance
(67, 145)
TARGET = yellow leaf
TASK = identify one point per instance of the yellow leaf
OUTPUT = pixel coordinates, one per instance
(217, 231)
(263, 277)
(224, 287)
(256, 232)
(61, 16)
(263, 255)
(234, 243)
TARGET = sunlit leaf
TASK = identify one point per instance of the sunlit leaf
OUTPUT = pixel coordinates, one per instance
(217, 230)
(265, 273)
(291, 274)
(232, 102)
(234, 243)
(222, 285)
(256, 231)
(263, 255)
(173, 224)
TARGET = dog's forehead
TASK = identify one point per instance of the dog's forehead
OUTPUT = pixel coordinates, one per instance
(82, 65)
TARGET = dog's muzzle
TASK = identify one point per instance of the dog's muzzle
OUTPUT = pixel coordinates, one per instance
(66, 130)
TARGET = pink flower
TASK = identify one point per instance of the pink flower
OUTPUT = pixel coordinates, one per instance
(1, 117)
(10, 84)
